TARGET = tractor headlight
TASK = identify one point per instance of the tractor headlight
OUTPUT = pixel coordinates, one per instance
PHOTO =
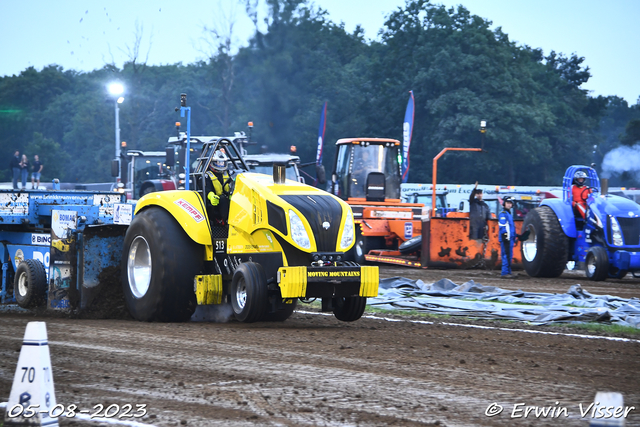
(347, 232)
(616, 231)
(298, 232)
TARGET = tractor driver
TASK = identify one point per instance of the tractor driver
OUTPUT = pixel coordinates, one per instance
(219, 186)
(580, 193)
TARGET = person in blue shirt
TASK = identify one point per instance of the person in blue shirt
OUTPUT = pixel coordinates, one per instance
(507, 235)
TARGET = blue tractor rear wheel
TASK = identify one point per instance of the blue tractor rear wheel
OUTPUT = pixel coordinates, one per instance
(545, 252)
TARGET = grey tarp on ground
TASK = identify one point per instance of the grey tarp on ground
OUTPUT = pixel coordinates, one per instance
(475, 300)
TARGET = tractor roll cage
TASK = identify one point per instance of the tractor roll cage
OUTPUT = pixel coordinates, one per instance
(567, 181)
(228, 147)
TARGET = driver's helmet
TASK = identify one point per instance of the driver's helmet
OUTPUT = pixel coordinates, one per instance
(219, 161)
(579, 177)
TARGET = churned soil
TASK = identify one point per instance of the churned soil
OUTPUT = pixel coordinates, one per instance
(315, 370)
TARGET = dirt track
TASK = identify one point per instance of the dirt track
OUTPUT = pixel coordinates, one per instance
(315, 370)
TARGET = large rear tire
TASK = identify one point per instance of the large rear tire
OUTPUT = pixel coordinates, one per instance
(159, 262)
(249, 292)
(349, 309)
(596, 265)
(545, 252)
(30, 284)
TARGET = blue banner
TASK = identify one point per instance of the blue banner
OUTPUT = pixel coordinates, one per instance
(323, 125)
(407, 131)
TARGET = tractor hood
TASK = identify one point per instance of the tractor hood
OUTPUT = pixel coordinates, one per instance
(615, 206)
(293, 211)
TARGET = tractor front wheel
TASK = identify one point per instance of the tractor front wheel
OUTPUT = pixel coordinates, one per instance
(159, 263)
(596, 265)
(349, 309)
(30, 284)
(249, 292)
(282, 314)
(364, 244)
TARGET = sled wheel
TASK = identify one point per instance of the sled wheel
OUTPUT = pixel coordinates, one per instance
(30, 284)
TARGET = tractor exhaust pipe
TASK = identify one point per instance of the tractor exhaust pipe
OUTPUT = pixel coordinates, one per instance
(279, 173)
(604, 186)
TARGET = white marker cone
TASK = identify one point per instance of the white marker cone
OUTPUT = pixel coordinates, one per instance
(32, 395)
(609, 410)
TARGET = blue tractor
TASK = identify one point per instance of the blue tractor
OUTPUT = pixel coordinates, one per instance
(606, 242)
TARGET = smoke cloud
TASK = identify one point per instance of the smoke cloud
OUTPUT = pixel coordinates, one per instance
(622, 159)
(213, 313)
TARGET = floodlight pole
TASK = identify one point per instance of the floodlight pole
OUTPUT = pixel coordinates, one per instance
(119, 177)
(186, 110)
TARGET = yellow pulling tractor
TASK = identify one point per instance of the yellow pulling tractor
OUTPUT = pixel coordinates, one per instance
(280, 241)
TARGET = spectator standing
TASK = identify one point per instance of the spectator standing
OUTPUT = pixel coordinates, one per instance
(508, 237)
(37, 168)
(479, 214)
(24, 170)
(15, 168)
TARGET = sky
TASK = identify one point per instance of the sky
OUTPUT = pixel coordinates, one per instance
(86, 35)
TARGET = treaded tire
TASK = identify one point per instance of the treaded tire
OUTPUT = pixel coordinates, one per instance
(349, 309)
(249, 292)
(545, 252)
(596, 265)
(412, 245)
(616, 273)
(30, 284)
(281, 315)
(364, 244)
(147, 190)
(165, 255)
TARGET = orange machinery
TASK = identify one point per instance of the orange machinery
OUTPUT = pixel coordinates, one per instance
(445, 241)
(366, 174)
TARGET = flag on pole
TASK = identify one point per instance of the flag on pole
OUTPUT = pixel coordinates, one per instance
(407, 131)
(323, 125)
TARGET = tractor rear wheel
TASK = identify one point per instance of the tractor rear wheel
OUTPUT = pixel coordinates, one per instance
(349, 309)
(249, 292)
(545, 252)
(30, 284)
(159, 262)
(596, 265)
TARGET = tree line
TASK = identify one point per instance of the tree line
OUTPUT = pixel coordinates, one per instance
(539, 118)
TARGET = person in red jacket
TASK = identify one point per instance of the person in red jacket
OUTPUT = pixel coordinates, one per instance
(580, 193)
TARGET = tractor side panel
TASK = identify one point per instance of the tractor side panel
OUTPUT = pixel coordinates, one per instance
(186, 207)
(565, 215)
